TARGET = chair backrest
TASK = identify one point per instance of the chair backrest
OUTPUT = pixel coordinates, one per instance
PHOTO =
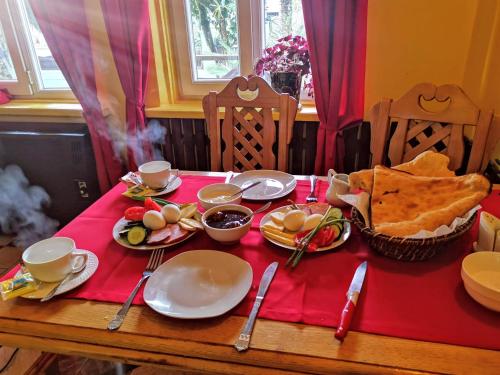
(248, 128)
(419, 129)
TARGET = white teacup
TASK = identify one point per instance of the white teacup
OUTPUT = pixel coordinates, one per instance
(52, 259)
(155, 174)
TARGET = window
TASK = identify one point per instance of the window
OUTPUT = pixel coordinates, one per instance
(26, 63)
(216, 40)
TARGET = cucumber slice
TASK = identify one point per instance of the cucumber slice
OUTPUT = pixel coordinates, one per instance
(335, 213)
(136, 235)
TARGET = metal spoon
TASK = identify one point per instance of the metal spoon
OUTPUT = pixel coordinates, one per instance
(244, 189)
(54, 290)
(257, 211)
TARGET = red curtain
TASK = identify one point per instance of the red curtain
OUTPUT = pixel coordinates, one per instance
(129, 32)
(64, 26)
(336, 34)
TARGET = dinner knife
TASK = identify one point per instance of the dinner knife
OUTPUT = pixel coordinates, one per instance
(244, 339)
(352, 299)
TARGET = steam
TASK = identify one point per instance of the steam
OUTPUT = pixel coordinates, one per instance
(154, 133)
(21, 208)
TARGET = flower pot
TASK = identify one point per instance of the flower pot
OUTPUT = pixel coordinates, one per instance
(287, 82)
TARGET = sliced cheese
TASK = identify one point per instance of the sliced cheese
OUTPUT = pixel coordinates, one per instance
(278, 217)
(280, 233)
(279, 238)
(272, 225)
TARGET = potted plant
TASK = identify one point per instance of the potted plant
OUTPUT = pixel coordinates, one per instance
(287, 62)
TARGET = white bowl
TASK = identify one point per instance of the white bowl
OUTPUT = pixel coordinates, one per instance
(206, 193)
(481, 276)
(231, 235)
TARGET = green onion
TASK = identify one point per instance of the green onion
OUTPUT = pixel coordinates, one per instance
(163, 202)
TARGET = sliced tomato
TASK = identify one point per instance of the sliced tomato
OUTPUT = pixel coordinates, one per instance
(150, 204)
(134, 213)
(329, 236)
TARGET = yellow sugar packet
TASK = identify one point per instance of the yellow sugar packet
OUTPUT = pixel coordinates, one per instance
(17, 286)
(137, 191)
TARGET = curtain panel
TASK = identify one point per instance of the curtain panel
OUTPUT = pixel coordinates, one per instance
(336, 34)
(129, 32)
(64, 26)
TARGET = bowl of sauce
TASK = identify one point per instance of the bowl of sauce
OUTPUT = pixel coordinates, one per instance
(218, 194)
(226, 223)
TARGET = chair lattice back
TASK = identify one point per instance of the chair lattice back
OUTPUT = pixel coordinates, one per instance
(418, 129)
(248, 128)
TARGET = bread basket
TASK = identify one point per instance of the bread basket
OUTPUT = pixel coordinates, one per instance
(407, 249)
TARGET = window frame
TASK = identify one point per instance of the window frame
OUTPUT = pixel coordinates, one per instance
(29, 82)
(250, 48)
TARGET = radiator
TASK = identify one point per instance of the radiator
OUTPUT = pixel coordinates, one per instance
(57, 157)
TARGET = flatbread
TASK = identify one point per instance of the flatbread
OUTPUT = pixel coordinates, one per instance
(428, 163)
(402, 204)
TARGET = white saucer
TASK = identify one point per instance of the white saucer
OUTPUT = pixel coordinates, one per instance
(274, 184)
(73, 282)
(198, 284)
(171, 186)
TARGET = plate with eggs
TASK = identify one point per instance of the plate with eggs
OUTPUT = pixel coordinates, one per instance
(155, 226)
(284, 225)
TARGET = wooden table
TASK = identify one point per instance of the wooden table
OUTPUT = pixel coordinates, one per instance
(78, 327)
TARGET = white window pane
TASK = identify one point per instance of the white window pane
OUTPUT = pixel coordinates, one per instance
(213, 29)
(49, 74)
(7, 72)
(282, 18)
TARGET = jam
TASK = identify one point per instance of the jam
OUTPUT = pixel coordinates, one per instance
(226, 219)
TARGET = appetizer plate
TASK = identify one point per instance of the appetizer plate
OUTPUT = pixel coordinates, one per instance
(172, 185)
(346, 233)
(274, 184)
(73, 282)
(120, 224)
(198, 284)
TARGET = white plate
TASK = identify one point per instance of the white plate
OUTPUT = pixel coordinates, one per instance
(74, 281)
(172, 185)
(274, 185)
(198, 284)
(346, 233)
(120, 224)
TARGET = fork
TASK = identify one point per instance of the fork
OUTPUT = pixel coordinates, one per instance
(312, 196)
(154, 261)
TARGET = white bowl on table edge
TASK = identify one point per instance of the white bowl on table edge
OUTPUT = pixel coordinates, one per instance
(230, 235)
(213, 190)
(481, 276)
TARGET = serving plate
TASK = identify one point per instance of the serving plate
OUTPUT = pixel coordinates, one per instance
(74, 281)
(120, 224)
(274, 184)
(346, 233)
(198, 284)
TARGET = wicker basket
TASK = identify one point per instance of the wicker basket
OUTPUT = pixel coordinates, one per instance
(407, 249)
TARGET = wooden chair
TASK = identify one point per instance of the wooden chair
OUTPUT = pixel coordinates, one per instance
(248, 129)
(419, 129)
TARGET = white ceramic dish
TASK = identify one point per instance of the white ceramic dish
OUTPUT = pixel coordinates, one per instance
(120, 224)
(274, 184)
(198, 284)
(73, 282)
(481, 275)
(346, 233)
(231, 235)
(207, 193)
(173, 185)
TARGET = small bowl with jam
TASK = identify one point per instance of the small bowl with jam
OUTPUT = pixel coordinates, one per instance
(218, 194)
(227, 223)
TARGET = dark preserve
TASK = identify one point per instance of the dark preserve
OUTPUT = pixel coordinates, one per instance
(226, 219)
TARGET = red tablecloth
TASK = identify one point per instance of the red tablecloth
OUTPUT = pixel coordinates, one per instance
(423, 301)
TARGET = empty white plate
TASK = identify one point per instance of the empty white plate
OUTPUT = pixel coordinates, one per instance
(274, 184)
(198, 284)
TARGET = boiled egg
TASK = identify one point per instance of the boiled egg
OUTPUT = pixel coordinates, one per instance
(171, 213)
(294, 220)
(153, 220)
(312, 221)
